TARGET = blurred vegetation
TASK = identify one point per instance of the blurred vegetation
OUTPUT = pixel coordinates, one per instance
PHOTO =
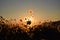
(45, 31)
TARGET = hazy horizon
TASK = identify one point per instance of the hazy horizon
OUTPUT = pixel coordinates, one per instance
(43, 9)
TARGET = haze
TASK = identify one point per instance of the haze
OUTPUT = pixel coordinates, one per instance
(43, 9)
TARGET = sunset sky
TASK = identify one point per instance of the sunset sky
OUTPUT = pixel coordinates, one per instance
(43, 9)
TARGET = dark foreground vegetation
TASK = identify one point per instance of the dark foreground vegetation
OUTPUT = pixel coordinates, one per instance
(45, 31)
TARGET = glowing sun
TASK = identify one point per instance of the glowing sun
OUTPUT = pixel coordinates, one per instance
(28, 20)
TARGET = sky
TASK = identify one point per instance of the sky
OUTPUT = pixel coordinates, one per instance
(43, 9)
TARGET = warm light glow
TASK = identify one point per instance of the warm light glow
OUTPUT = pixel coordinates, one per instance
(29, 19)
